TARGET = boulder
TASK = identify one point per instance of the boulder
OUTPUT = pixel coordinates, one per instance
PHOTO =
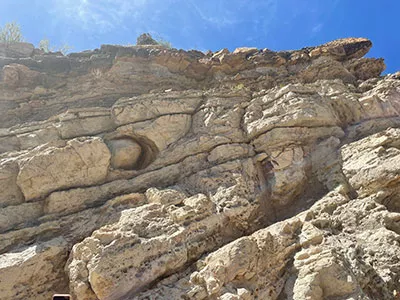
(16, 50)
(36, 271)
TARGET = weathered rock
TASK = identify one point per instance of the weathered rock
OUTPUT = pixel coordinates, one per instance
(146, 39)
(366, 68)
(34, 271)
(372, 164)
(101, 74)
(125, 153)
(162, 131)
(13, 215)
(319, 244)
(382, 100)
(230, 152)
(165, 197)
(148, 107)
(81, 123)
(16, 75)
(344, 48)
(290, 106)
(32, 139)
(79, 162)
(141, 172)
(192, 224)
(16, 50)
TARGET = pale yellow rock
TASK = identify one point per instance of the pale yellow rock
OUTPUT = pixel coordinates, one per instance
(101, 269)
(125, 153)
(245, 50)
(163, 131)
(13, 215)
(310, 235)
(172, 174)
(79, 162)
(229, 152)
(155, 234)
(382, 101)
(34, 271)
(282, 160)
(195, 207)
(146, 107)
(321, 276)
(372, 164)
(323, 268)
(89, 121)
(38, 137)
(10, 192)
(291, 106)
(76, 200)
(165, 196)
(64, 202)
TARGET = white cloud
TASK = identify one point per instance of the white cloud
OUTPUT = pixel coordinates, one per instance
(98, 15)
(317, 28)
(223, 14)
(164, 17)
(106, 15)
(216, 18)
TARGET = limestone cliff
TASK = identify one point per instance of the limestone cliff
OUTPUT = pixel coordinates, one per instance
(151, 173)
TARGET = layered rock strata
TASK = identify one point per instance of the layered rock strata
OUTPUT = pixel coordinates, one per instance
(150, 173)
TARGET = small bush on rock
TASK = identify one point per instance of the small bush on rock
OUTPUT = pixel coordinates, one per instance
(11, 33)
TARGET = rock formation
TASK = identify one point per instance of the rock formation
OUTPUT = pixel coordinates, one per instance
(150, 173)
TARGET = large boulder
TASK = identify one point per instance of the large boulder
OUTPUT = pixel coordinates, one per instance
(34, 272)
(16, 50)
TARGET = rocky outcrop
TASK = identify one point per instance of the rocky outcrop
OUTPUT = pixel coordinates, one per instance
(151, 173)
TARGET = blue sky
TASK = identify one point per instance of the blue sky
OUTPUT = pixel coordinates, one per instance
(210, 24)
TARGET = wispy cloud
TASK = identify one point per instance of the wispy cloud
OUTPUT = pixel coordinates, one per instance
(317, 28)
(224, 14)
(98, 15)
(190, 21)
(216, 18)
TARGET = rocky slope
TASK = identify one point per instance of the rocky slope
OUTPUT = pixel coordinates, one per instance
(150, 173)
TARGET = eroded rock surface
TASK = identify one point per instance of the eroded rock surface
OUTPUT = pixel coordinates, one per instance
(151, 173)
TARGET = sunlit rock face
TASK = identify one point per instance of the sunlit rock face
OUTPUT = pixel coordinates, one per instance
(151, 173)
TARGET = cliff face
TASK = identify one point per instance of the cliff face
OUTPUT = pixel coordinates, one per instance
(151, 173)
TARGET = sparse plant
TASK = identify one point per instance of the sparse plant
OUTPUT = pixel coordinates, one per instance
(44, 45)
(160, 41)
(97, 73)
(238, 87)
(147, 39)
(65, 48)
(11, 33)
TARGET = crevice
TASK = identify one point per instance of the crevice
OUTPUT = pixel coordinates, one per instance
(252, 138)
(155, 118)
